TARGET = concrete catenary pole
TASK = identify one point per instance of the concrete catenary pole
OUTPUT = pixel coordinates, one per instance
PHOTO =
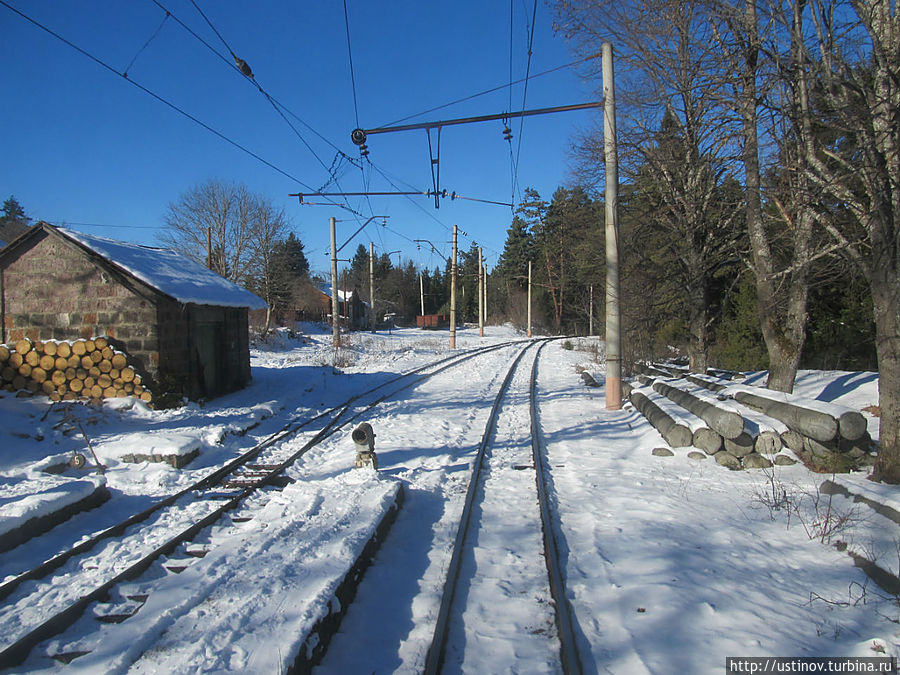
(335, 317)
(372, 285)
(613, 335)
(529, 298)
(453, 293)
(591, 313)
(485, 293)
(480, 296)
(421, 294)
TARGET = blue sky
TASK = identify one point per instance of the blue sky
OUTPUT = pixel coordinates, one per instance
(84, 146)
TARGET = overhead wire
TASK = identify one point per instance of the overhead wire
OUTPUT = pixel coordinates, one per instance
(490, 91)
(512, 163)
(241, 66)
(388, 178)
(350, 56)
(524, 97)
(153, 94)
(279, 107)
(253, 81)
(146, 44)
(365, 180)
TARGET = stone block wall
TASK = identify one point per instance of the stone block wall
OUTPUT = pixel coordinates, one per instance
(54, 291)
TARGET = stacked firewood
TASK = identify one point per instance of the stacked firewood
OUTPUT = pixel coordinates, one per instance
(66, 371)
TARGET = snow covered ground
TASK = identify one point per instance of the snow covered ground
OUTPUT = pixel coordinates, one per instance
(672, 564)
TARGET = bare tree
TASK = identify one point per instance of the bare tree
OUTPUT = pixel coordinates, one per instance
(220, 225)
(781, 269)
(675, 136)
(267, 226)
(855, 61)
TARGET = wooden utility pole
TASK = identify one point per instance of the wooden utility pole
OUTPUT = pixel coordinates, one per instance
(372, 284)
(480, 296)
(453, 293)
(335, 316)
(529, 298)
(613, 336)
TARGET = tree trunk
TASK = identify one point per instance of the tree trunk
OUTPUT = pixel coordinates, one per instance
(784, 333)
(885, 284)
(699, 326)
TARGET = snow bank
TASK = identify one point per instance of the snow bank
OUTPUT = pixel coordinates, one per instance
(263, 583)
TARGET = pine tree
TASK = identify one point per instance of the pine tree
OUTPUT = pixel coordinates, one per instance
(12, 210)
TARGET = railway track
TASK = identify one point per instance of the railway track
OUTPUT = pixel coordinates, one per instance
(63, 587)
(502, 543)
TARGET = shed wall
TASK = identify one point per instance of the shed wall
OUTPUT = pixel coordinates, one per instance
(54, 291)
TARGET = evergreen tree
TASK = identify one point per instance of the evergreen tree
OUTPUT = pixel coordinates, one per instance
(13, 222)
(569, 223)
(518, 250)
(12, 210)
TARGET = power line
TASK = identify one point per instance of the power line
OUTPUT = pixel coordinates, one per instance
(493, 89)
(280, 106)
(410, 199)
(512, 163)
(209, 23)
(350, 55)
(153, 94)
(241, 66)
(146, 44)
(362, 169)
(524, 96)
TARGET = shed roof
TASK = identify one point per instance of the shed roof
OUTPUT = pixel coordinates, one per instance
(170, 273)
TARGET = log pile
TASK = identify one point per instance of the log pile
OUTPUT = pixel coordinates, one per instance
(675, 434)
(65, 371)
(752, 423)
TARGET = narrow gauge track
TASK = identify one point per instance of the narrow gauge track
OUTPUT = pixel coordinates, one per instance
(477, 497)
(144, 537)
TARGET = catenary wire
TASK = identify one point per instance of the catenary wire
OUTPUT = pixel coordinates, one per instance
(524, 97)
(279, 107)
(232, 65)
(159, 98)
(146, 44)
(350, 56)
(491, 90)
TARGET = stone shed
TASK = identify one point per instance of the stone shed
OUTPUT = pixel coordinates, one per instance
(184, 327)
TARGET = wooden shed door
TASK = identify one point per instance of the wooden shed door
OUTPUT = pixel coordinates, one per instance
(210, 353)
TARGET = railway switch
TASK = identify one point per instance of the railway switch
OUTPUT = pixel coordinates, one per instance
(364, 438)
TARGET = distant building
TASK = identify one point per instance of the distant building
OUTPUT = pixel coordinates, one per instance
(353, 311)
(183, 326)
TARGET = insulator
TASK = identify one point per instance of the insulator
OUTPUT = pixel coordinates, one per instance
(507, 133)
(358, 136)
(363, 150)
(243, 66)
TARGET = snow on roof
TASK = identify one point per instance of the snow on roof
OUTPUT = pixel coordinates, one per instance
(169, 272)
(343, 295)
